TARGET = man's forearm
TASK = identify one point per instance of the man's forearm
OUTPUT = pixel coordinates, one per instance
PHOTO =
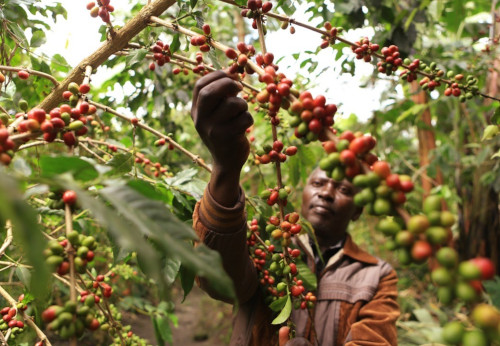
(225, 185)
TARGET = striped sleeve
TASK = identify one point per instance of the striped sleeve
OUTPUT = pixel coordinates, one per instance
(219, 218)
(224, 230)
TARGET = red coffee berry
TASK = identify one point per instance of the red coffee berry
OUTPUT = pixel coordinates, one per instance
(206, 29)
(4, 134)
(69, 197)
(290, 151)
(231, 53)
(69, 138)
(268, 58)
(23, 74)
(84, 88)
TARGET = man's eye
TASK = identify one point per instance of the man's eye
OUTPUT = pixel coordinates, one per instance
(345, 190)
(316, 183)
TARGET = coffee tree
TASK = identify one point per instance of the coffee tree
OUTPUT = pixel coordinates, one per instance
(98, 194)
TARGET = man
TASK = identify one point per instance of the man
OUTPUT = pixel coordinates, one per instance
(356, 297)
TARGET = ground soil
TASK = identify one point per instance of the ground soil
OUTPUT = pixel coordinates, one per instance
(202, 321)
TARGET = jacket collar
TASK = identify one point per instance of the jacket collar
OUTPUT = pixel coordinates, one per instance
(350, 249)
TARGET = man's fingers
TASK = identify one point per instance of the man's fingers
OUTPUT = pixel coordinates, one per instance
(212, 94)
(284, 335)
(232, 128)
(204, 81)
(229, 109)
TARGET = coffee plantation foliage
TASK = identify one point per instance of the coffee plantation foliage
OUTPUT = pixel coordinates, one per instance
(99, 180)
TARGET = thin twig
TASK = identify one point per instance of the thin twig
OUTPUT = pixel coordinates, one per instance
(25, 317)
(31, 72)
(192, 156)
(8, 238)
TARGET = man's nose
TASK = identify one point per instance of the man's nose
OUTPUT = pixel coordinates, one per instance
(327, 191)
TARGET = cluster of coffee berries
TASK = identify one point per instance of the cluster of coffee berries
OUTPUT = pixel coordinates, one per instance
(7, 146)
(155, 169)
(277, 89)
(275, 153)
(254, 10)
(10, 320)
(274, 196)
(71, 319)
(422, 233)
(289, 227)
(102, 9)
(332, 35)
(57, 258)
(161, 54)
(202, 41)
(460, 280)
(364, 49)
(240, 59)
(344, 158)
(470, 87)
(96, 289)
(485, 331)
(409, 73)
(311, 117)
(391, 60)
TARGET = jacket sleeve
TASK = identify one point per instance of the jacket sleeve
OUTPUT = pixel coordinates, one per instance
(376, 324)
(224, 230)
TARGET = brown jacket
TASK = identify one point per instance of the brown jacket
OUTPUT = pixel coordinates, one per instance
(356, 291)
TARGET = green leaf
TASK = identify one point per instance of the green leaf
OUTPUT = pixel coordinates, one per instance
(490, 131)
(38, 38)
(241, 2)
(153, 220)
(176, 42)
(136, 56)
(122, 163)
(424, 316)
(24, 275)
(412, 111)
(171, 269)
(147, 190)
(162, 329)
(492, 287)
(187, 280)
(495, 119)
(307, 276)
(279, 303)
(19, 33)
(26, 232)
(193, 3)
(83, 170)
(285, 313)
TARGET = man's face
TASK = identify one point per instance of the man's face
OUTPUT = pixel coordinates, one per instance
(328, 205)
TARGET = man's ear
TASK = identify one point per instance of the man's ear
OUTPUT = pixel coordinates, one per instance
(357, 213)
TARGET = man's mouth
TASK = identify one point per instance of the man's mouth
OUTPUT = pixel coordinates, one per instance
(321, 209)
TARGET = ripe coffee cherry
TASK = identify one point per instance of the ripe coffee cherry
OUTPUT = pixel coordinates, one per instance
(231, 53)
(206, 29)
(69, 138)
(23, 74)
(69, 197)
(84, 88)
(267, 6)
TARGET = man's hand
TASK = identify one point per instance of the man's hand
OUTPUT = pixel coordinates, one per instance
(221, 120)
